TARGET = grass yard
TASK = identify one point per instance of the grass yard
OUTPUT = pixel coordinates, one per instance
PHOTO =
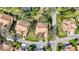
(32, 37)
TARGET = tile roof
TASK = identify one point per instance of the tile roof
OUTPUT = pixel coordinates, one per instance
(23, 23)
(42, 25)
(6, 17)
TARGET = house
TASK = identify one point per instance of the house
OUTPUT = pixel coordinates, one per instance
(78, 47)
(22, 27)
(41, 29)
(5, 21)
(5, 47)
(69, 26)
(69, 48)
(1, 47)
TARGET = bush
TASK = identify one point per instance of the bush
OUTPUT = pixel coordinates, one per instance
(77, 31)
(16, 45)
(60, 46)
(2, 38)
(73, 42)
(47, 48)
(62, 34)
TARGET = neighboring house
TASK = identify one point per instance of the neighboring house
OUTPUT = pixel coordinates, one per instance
(5, 47)
(69, 26)
(22, 27)
(69, 48)
(1, 47)
(42, 29)
(5, 21)
(78, 47)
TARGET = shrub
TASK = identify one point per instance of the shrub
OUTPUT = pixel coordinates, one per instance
(62, 34)
(77, 31)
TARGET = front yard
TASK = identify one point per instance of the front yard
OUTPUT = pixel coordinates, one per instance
(31, 36)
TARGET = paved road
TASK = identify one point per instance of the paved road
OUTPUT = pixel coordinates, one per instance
(65, 38)
(54, 27)
(54, 23)
(30, 42)
(9, 37)
(54, 43)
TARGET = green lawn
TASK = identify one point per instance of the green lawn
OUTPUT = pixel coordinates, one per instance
(31, 36)
(61, 34)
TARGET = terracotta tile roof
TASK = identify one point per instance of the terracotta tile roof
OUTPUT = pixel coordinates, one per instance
(23, 23)
(70, 48)
(68, 25)
(6, 17)
(41, 25)
(6, 47)
(78, 47)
